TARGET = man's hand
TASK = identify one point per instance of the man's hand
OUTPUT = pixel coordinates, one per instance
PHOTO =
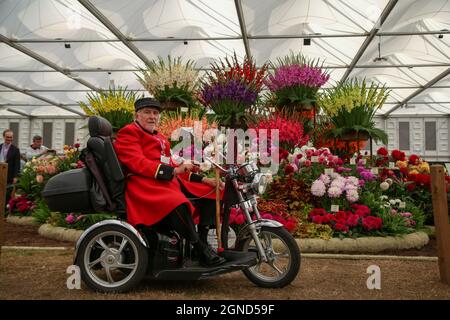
(212, 182)
(185, 167)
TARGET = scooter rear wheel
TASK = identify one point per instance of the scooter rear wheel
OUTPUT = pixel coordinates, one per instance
(283, 256)
(112, 259)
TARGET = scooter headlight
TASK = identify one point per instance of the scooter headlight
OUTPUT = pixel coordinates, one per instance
(259, 183)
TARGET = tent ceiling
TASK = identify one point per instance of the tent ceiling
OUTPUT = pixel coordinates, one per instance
(404, 44)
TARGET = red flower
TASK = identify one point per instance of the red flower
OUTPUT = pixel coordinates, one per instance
(382, 152)
(372, 223)
(404, 171)
(290, 225)
(341, 227)
(411, 186)
(414, 159)
(352, 220)
(289, 169)
(398, 155)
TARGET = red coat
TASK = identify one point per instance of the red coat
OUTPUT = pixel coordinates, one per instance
(151, 193)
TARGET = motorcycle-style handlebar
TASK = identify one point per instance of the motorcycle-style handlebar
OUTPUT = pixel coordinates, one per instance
(216, 165)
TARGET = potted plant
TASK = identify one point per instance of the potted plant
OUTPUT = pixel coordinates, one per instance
(230, 89)
(115, 105)
(295, 81)
(172, 82)
(350, 107)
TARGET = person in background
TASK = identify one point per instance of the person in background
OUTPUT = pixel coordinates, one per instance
(36, 148)
(10, 154)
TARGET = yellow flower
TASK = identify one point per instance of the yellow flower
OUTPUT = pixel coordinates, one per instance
(414, 172)
(402, 164)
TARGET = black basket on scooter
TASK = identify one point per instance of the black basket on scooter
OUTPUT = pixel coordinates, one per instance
(69, 191)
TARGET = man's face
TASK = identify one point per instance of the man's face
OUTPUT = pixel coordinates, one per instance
(37, 143)
(148, 118)
(8, 137)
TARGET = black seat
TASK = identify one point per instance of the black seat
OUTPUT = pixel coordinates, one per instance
(101, 160)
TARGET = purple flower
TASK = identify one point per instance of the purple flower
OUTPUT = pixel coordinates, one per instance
(296, 75)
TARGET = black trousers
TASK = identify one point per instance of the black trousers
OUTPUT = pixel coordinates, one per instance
(180, 219)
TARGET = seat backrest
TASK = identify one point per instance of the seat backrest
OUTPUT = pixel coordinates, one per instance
(100, 145)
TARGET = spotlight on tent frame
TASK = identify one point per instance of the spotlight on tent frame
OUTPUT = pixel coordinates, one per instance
(185, 42)
(307, 41)
(67, 45)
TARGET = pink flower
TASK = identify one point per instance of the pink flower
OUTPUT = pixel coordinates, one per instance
(70, 219)
(334, 192)
(307, 163)
(39, 178)
(240, 219)
(318, 188)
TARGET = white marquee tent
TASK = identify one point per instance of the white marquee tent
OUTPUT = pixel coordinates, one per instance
(52, 52)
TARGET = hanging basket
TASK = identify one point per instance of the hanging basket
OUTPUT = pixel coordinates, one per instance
(173, 106)
(354, 136)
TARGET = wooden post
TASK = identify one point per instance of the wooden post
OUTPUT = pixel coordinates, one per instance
(3, 178)
(441, 222)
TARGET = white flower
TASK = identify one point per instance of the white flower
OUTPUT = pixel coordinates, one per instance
(389, 180)
(392, 202)
(325, 178)
(384, 186)
(352, 195)
(383, 197)
(205, 166)
(290, 158)
(334, 192)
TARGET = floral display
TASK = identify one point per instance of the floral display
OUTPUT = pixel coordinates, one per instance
(290, 131)
(115, 105)
(37, 171)
(171, 80)
(21, 206)
(350, 107)
(231, 88)
(295, 81)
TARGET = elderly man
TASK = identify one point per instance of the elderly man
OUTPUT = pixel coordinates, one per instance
(10, 154)
(154, 190)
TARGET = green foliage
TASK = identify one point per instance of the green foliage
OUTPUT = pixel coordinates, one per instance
(78, 221)
(41, 213)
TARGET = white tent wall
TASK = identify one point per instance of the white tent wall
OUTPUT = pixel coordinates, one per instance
(417, 135)
(35, 126)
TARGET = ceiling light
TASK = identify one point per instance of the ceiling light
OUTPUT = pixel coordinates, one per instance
(185, 42)
(67, 45)
(307, 41)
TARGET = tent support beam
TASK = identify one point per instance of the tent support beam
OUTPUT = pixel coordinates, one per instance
(41, 59)
(36, 96)
(240, 14)
(19, 113)
(387, 10)
(362, 66)
(430, 83)
(256, 37)
(111, 27)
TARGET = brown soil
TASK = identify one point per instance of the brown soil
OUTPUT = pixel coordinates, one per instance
(42, 275)
(19, 235)
(22, 235)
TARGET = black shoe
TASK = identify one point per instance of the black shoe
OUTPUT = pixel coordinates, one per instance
(208, 257)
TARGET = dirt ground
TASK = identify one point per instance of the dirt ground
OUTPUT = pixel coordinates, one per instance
(19, 235)
(42, 275)
(28, 236)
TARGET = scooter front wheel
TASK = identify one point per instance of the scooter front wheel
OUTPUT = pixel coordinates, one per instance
(283, 258)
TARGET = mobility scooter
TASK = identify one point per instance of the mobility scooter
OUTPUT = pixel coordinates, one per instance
(114, 256)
